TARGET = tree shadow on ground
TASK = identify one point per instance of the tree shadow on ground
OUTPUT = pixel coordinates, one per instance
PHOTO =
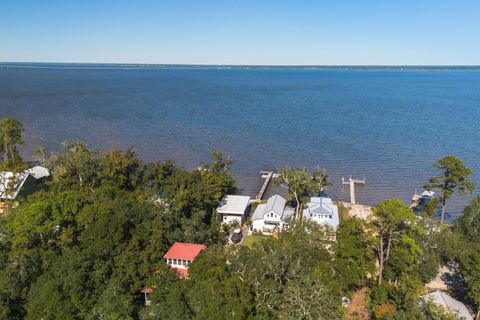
(455, 282)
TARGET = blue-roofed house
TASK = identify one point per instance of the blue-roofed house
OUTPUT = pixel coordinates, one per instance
(322, 211)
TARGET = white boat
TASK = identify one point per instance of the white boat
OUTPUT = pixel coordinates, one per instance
(421, 200)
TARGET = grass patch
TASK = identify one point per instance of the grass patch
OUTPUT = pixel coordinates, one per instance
(250, 240)
(343, 212)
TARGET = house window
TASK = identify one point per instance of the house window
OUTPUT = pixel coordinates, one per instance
(330, 216)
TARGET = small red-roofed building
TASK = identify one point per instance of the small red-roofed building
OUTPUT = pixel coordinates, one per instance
(146, 291)
(182, 254)
(178, 257)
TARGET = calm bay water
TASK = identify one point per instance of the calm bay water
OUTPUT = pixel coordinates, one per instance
(387, 125)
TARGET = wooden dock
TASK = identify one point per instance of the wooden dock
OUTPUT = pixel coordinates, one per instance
(352, 182)
(267, 176)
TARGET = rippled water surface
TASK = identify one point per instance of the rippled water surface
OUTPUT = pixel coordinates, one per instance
(387, 125)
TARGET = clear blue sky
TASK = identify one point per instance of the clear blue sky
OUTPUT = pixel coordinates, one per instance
(318, 32)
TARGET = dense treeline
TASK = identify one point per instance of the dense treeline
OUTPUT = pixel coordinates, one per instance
(94, 234)
(84, 244)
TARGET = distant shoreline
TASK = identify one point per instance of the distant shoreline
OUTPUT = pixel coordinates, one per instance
(82, 66)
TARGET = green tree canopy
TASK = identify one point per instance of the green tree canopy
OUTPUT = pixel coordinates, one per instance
(11, 136)
(301, 184)
(86, 243)
(354, 254)
(391, 221)
(454, 177)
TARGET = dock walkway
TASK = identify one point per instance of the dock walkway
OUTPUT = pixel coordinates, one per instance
(352, 182)
(267, 175)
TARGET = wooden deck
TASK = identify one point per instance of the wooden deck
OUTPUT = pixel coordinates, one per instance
(267, 176)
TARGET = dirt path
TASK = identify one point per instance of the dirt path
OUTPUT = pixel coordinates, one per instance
(356, 309)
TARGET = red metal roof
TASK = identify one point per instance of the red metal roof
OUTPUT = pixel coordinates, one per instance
(185, 251)
(148, 289)
(182, 273)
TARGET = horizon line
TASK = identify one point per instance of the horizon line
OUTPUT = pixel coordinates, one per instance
(243, 65)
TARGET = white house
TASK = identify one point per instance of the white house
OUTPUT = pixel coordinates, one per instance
(11, 183)
(233, 208)
(450, 304)
(322, 211)
(271, 215)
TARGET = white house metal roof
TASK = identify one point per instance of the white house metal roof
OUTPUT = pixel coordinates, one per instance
(259, 212)
(322, 206)
(38, 172)
(11, 183)
(455, 306)
(274, 204)
(232, 204)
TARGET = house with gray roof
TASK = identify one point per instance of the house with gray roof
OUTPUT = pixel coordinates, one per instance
(454, 306)
(233, 208)
(271, 215)
(322, 211)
